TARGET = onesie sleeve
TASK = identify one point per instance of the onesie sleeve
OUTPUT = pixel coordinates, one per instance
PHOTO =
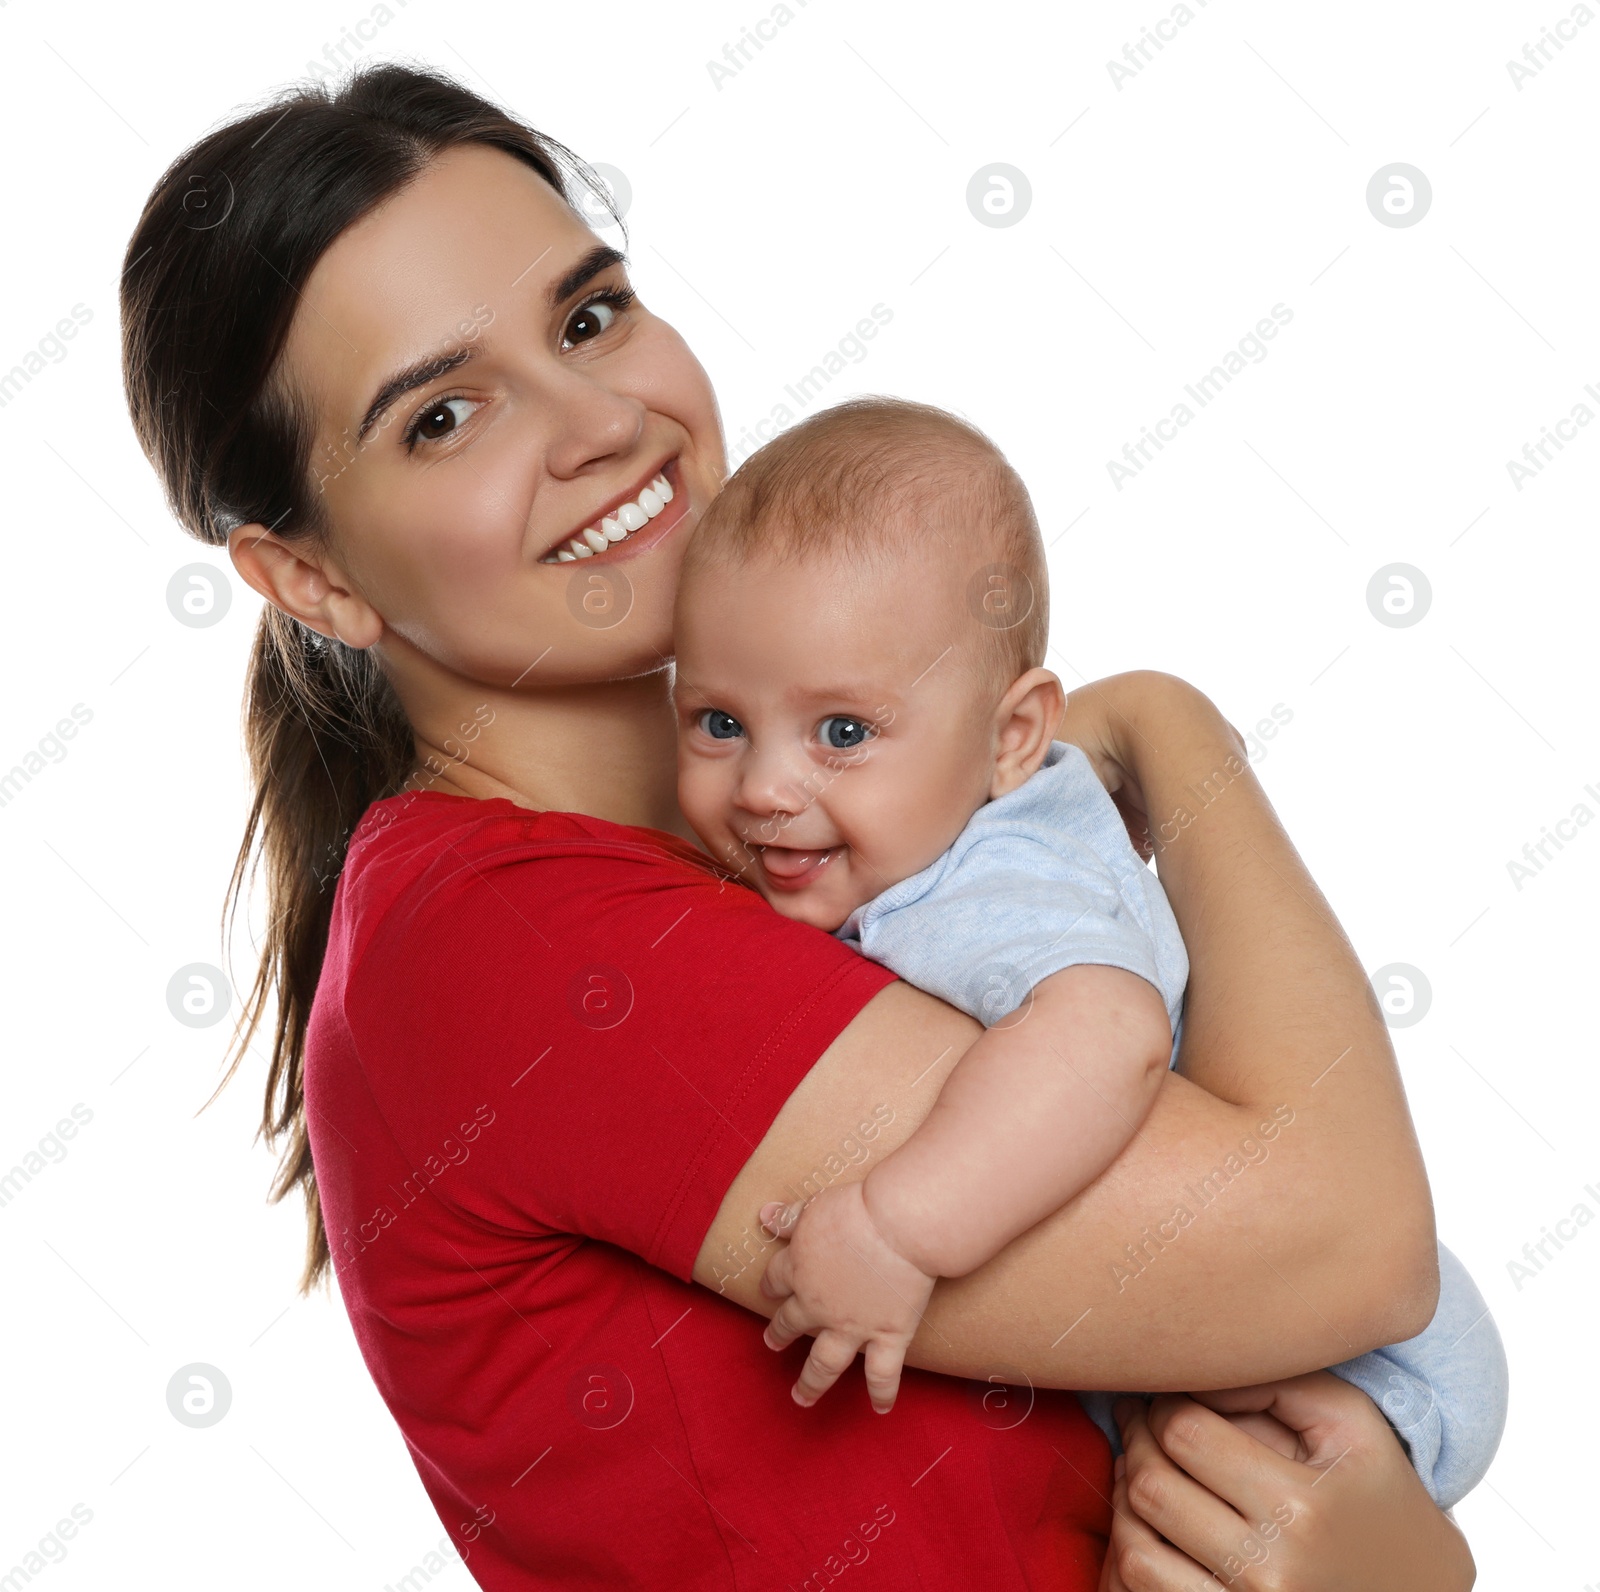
(628, 1024)
(1041, 879)
(1005, 915)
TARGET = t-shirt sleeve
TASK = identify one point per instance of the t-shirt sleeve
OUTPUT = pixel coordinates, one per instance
(1005, 911)
(621, 1025)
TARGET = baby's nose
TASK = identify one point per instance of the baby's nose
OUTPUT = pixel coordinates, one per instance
(770, 787)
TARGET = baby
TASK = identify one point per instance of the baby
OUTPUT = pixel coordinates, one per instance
(866, 737)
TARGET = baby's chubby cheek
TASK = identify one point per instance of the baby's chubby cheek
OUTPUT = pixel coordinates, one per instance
(909, 829)
(705, 801)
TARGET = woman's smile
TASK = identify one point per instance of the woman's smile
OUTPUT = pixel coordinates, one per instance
(652, 508)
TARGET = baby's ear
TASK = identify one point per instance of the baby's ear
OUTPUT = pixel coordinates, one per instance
(1026, 722)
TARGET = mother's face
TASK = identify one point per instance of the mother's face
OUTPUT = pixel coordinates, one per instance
(483, 393)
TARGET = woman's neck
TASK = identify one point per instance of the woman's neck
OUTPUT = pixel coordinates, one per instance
(608, 749)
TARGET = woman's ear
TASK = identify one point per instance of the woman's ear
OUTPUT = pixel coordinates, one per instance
(304, 584)
(1026, 721)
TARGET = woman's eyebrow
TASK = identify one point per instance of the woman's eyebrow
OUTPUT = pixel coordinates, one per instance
(415, 375)
(598, 259)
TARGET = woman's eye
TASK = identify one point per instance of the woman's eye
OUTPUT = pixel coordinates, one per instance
(720, 726)
(590, 319)
(440, 419)
(844, 734)
(589, 322)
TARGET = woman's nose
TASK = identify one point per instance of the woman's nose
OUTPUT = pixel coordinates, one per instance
(594, 423)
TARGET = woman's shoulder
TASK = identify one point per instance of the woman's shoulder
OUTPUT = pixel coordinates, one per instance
(398, 823)
(402, 838)
(421, 863)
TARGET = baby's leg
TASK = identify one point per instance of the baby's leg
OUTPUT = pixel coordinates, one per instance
(1444, 1391)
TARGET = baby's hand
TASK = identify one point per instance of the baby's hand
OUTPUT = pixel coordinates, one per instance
(840, 1278)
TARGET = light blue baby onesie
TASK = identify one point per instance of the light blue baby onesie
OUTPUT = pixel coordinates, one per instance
(1045, 878)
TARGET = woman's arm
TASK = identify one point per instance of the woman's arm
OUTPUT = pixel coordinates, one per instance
(1272, 1216)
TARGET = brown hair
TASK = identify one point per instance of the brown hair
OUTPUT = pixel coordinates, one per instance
(210, 283)
(880, 479)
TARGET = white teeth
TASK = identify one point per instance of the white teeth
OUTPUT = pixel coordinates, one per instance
(615, 527)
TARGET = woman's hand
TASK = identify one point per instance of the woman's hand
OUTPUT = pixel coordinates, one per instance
(1101, 730)
(1293, 1486)
(1100, 722)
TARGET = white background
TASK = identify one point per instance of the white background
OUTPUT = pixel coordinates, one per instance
(769, 214)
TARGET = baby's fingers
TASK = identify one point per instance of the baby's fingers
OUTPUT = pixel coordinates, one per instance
(779, 1219)
(787, 1324)
(832, 1354)
(777, 1281)
(884, 1361)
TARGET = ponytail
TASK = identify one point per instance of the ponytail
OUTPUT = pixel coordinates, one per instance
(210, 284)
(326, 737)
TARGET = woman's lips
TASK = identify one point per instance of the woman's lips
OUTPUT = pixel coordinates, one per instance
(786, 868)
(619, 535)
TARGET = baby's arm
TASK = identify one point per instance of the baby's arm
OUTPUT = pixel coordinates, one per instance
(1036, 1109)
(1025, 1120)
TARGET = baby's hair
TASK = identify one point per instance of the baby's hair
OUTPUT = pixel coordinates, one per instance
(883, 479)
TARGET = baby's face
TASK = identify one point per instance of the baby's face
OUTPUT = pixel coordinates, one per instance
(834, 732)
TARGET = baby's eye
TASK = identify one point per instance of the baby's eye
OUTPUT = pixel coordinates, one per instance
(843, 733)
(440, 419)
(720, 726)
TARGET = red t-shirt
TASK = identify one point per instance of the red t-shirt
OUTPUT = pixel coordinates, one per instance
(541, 1049)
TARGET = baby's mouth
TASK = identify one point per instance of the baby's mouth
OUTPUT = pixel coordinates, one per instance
(789, 868)
(620, 522)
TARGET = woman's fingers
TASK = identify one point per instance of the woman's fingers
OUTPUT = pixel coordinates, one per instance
(832, 1354)
(1151, 1566)
(1191, 1517)
(1325, 1411)
(1137, 1560)
(1371, 1524)
(1270, 1430)
(1229, 1463)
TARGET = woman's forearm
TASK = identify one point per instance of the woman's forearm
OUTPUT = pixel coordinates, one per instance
(1279, 1013)
(1280, 1219)
(1276, 993)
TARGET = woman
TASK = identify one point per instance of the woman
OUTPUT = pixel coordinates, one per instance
(539, 1063)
